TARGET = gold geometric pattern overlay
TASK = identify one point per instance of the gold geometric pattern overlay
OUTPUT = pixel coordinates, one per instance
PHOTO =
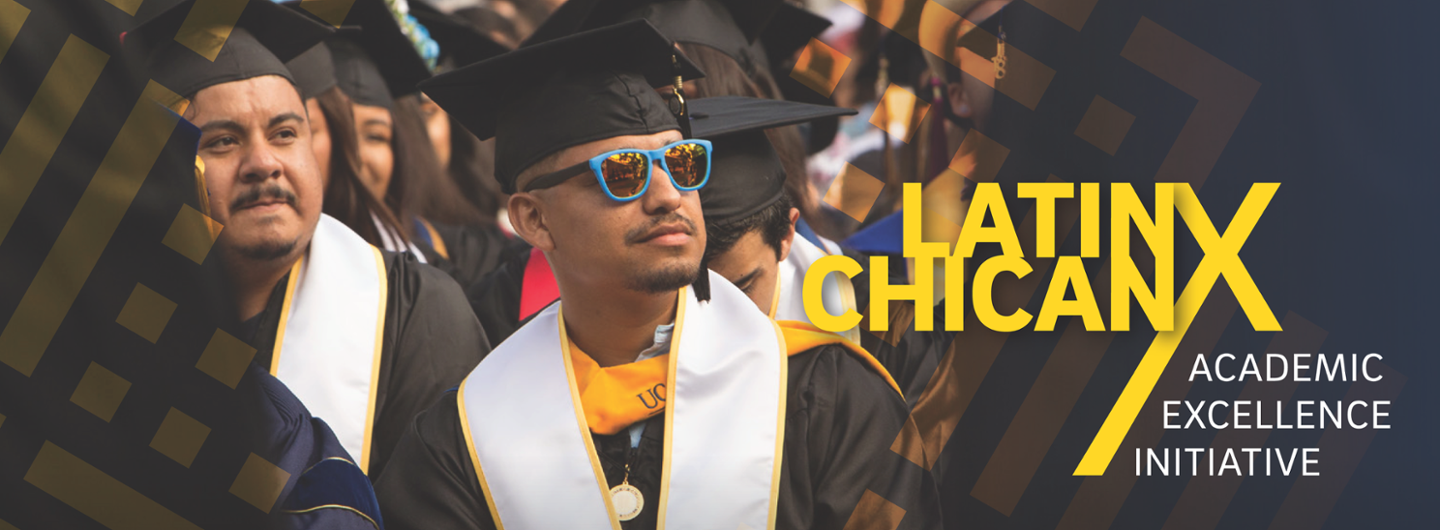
(100, 391)
(1105, 125)
(97, 495)
(820, 67)
(128, 6)
(225, 358)
(180, 437)
(899, 113)
(192, 234)
(854, 192)
(146, 313)
(12, 16)
(259, 483)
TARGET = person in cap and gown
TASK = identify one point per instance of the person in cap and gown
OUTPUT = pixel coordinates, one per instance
(336, 146)
(723, 38)
(475, 248)
(364, 338)
(655, 393)
(378, 68)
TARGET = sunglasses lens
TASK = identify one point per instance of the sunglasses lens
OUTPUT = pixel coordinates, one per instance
(625, 174)
(688, 164)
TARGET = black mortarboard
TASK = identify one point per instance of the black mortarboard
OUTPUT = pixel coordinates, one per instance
(746, 174)
(314, 71)
(400, 65)
(461, 44)
(789, 31)
(358, 76)
(265, 36)
(545, 97)
(726, 25)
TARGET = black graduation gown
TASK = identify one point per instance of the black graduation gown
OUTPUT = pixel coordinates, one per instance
(840, 421)
(495, 298)
(914, 357)
(431, 342)
(472, 251)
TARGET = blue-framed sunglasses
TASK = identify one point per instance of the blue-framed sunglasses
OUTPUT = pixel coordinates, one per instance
(625, 173)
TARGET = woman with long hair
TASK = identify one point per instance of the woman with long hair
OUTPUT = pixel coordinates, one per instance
(459, 223)
(335, 144)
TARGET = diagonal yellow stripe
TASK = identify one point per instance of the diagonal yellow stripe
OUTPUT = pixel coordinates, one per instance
(1157, 356)
(12, 16)
(331, 11)
(88, 231)
(96, 494)
(45, 121)
(208, 25)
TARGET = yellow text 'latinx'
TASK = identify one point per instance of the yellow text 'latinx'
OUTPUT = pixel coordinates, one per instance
(1221, 258)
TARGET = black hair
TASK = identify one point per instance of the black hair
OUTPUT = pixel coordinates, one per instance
(418, 185)
(773, 223)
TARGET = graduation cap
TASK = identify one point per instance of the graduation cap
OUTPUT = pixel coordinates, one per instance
(543, 98)
(726, 25)
(399, 66)
(314, 71)
(265, 36)
(746, 174)
(358, 76)
(789, 31)
(461, 43)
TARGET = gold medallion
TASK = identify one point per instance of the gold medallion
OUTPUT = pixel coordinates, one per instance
(627, 501)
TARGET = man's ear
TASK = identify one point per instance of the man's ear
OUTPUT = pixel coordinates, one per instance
(959, 99)
(527, 217)
(789, 235)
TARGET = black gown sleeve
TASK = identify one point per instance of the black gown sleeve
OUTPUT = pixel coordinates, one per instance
(495, 298)
(474, 250)
(913, 359)
(841, 420)
(430, 482)
(432, 340)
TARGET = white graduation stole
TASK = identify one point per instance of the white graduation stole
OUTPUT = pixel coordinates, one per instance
(837, 293)
(393, 242)
(724, 424)
(327, 349)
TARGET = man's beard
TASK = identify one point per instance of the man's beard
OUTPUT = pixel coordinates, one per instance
(664, 279)
(267, 251)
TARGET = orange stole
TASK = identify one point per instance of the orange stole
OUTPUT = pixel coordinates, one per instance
(617, 397)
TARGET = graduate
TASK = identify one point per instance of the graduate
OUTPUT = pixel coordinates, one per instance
(363, 337)
(336, 147)
(749, 220)
(474, 248)
(654, 394)
(378, 67)
(751, 227)
(724, 38)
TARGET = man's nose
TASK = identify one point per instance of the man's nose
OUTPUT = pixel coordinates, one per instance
(662, 197)
(260, 164)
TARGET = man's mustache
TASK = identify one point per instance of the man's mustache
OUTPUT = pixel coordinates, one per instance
(635, 235)
(255, 194)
